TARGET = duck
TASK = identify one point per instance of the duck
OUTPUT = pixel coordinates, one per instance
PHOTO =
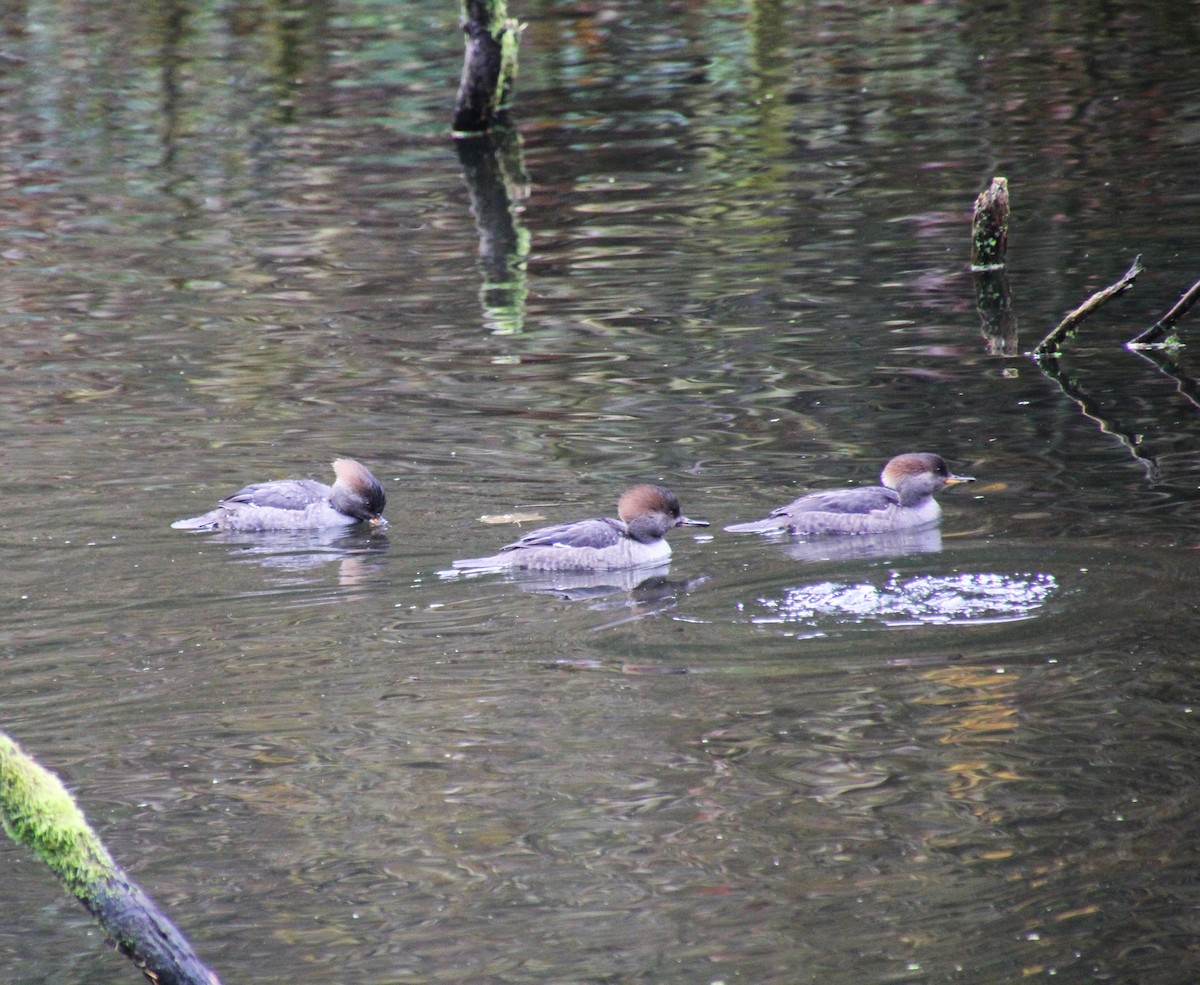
(299, 504)
(637, 539)
(904, 501)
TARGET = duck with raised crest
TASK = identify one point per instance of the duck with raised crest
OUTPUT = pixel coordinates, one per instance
(299, 504)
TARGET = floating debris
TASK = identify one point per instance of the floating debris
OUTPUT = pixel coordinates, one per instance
(517, 518)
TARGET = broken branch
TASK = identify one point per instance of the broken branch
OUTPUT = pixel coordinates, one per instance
(1051, 344)
(1162, 328)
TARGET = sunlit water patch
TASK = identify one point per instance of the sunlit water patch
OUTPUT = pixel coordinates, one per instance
(960, 599)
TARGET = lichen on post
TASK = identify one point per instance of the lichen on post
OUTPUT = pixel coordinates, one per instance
(37, 811)
(989, 226)
(489, 66)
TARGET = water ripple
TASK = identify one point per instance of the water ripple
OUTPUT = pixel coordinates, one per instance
(980, 597)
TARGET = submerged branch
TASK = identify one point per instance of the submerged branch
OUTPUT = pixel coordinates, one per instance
(1052, 343)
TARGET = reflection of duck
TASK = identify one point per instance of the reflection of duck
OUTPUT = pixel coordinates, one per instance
(897, 543)
(904, 502)
(579, 585)
(636, 540)
(299, 504)
(297, 553)
(632, 593)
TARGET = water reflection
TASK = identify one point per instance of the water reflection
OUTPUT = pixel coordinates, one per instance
(639, 587)
(299, 553)
(494, 171)
(862, 547)
(583, 584)
(998, 321)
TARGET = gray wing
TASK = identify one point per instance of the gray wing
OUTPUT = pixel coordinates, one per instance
(579, 533)
(838, 502)
(287, 494)
(842, 501)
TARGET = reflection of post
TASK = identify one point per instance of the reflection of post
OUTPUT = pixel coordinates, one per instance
(495, 174)
(993, 298)
(174, 36)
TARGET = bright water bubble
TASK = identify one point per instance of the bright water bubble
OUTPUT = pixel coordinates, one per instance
(961, 599)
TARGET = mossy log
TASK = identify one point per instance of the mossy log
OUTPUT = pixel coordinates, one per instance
(489, 66)
(39, 813)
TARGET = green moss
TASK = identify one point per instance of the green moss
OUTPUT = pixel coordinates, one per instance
(38, 812)
(510, 41)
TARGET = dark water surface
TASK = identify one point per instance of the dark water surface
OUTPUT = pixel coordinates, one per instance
(238, 243)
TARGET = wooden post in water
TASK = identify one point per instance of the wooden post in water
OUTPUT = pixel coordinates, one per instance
(489, 65)
(38, 812)
(989, 226)
(989, 244)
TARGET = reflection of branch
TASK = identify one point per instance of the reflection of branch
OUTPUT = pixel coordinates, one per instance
(1049, 366)
(1161, 328)
(1185, 386)
(1049, 346)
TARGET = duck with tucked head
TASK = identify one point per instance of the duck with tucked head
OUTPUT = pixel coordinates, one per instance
(299, 504)
(635, 540)
(904, 502)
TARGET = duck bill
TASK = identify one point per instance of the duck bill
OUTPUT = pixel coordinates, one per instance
(378, 523)
(956, 480)
(683, 521)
